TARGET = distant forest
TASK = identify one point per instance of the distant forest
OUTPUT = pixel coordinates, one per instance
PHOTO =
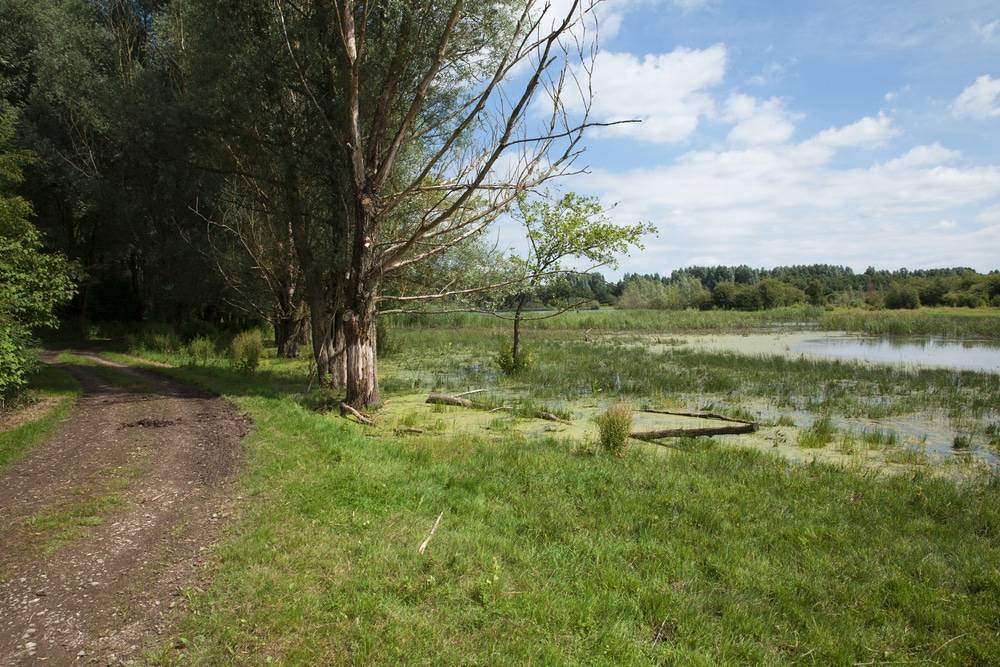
(746, 288)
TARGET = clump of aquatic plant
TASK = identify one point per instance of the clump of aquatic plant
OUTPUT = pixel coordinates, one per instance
(820, 434)
(961, 442)
(614, 426)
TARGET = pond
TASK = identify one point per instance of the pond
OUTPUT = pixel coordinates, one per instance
(960, 355)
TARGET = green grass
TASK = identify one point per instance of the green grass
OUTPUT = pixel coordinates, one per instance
(49, 384)
(545, 554)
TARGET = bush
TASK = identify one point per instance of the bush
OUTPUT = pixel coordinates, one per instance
(201, 349)
(246, 351)
(15, 361)
(505, 358)
(615, 427)
(900, 296)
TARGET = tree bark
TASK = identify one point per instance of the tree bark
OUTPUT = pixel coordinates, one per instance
(362, 378)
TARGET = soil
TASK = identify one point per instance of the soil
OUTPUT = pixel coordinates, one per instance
(106, 527)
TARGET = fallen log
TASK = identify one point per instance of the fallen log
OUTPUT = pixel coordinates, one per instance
(472, 391)
(744, 427)
(702, 415)
(551, 417)
(449, 400)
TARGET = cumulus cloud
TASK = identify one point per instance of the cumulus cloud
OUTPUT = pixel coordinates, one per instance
(979, 100)
(866, 133)
(758, 122)
(667, 92)
(789, 203)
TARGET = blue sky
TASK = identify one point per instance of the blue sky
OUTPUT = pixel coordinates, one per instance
(777, 133)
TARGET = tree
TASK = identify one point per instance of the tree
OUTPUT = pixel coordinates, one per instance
(434, 103)
(32, 283)
(571, 226)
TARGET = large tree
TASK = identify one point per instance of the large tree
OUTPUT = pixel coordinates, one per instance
(460, 105)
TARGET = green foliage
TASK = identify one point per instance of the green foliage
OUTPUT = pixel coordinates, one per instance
(201, 350)
(506, 362)
(900, 296)
(820, 434)
(246, 351)
(614, 426)
(386, 341)
(32, 283)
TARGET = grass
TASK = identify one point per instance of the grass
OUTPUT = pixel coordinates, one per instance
(58, 390)
(697, 554)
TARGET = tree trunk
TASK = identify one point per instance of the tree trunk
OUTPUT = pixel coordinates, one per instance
(362, 377)
(516, 351)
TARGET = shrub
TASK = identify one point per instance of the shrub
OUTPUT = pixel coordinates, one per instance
(505, 358)
(900, 296)
(201, 349)
(615, 426)
(386, 341)
(246, 351)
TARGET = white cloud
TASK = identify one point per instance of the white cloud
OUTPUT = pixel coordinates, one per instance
(979, 100)
(771, 73)
(988, 31)
(791, 203)
(758, 122)
(866, 133)
(667, 92)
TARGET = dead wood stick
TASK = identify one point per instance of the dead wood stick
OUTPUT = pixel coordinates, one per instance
(424, 545)
(551, 417)
(702, 415)
(473, 391)
(409, 430)
(344, 407)
(502, 408)
(745, 427)
(449, 400)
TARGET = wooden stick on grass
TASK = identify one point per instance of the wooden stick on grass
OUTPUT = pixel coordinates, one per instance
(424, 545)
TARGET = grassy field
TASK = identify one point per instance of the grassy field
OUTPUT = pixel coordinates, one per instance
(549, 551)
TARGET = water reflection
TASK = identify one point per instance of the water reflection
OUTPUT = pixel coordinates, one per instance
(961, 355)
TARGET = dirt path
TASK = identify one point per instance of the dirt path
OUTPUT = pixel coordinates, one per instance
(104, 527)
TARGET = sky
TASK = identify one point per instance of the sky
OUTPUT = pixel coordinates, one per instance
(799, 132)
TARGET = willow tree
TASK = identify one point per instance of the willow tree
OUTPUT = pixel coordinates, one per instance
(461, 105)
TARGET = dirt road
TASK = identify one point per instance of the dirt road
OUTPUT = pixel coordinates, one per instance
(104, 527)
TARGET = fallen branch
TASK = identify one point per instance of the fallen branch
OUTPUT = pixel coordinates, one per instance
(344, 407)
(473, 391)
(702, 415)
(502, 408)
(424, 545)
(551, 417)
(417, 431)
(744, 427)
(449, 400)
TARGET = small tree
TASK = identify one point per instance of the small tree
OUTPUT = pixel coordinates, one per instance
(571, 226)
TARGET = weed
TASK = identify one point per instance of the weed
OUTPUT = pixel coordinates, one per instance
(961, 441)
(615, 426)
(246, 350)
(201, 350)
(820, 434)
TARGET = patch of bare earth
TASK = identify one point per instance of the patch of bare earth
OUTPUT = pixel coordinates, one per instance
(105, 526)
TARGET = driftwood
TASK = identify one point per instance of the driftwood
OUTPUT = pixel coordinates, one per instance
(551, 417)
(743, 427)
(344, 407)
(449, 400)
(472, 391)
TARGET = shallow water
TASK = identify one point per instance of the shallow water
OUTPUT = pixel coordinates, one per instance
(960, 355)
